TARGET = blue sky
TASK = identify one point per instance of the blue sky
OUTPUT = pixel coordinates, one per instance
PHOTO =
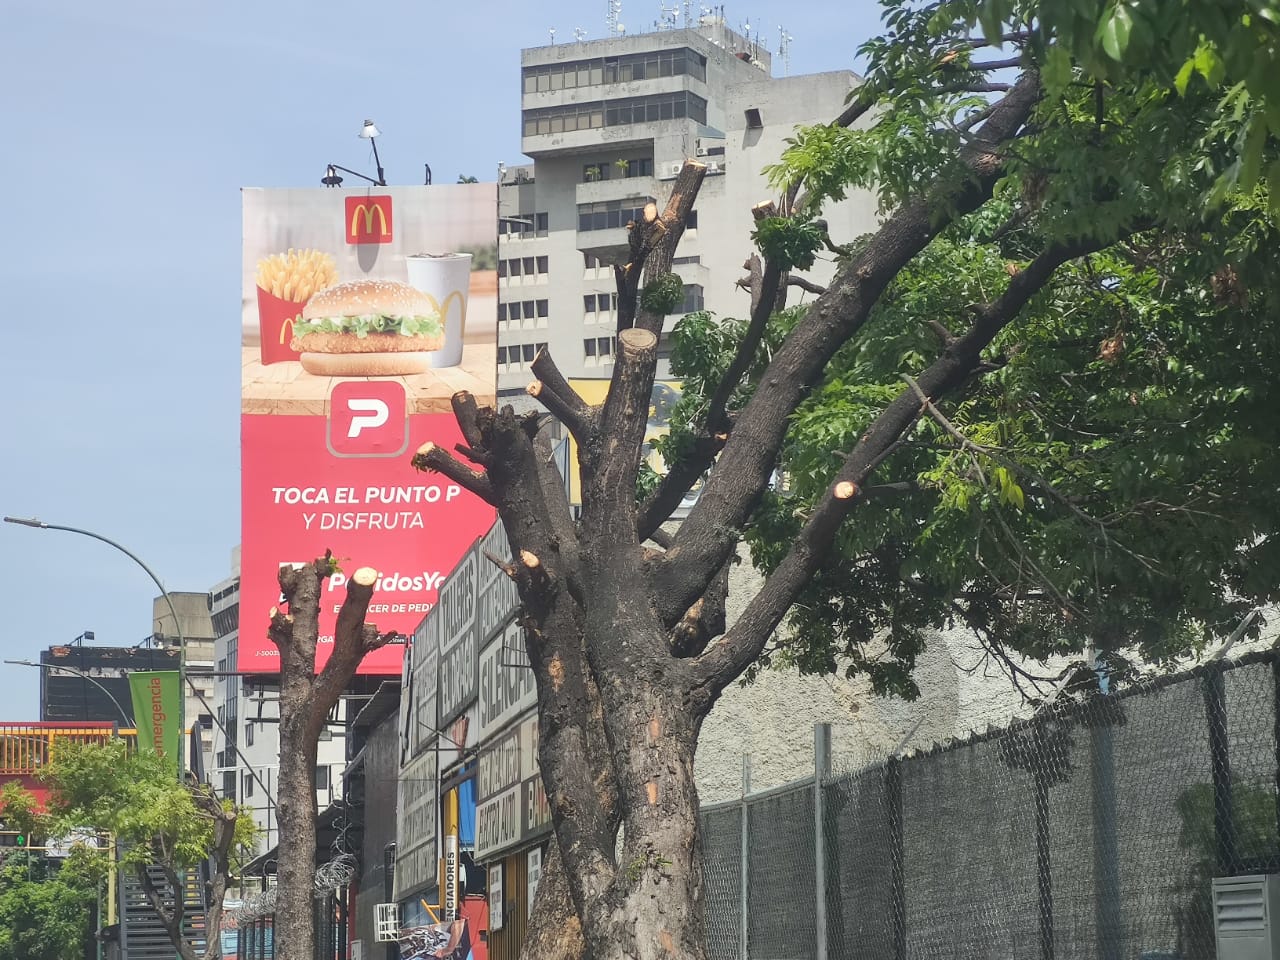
(129, 129)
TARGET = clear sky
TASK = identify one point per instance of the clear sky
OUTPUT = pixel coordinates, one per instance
(129, 129)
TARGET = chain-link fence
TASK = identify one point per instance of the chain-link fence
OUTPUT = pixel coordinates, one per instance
(1091, 830)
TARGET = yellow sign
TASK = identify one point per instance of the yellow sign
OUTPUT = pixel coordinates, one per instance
(368, 210)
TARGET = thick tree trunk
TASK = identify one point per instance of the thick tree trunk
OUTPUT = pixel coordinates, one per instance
(554, 931)
(655, 909)
(296, 815)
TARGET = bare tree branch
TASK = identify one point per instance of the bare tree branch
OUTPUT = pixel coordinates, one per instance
(432, 458)
(570, 411)
(545, 369)
(806, 285)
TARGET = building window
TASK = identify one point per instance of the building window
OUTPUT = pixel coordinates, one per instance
(691, 221)
(570, 117)
(692, 298)
(619, 169)
(322, 778)
(685, 261)
(542, 307)
(524, 225)
(543, 266)
(610, 214)
(229, 784)
(248, 733)
(624, 69)
(502, 356)
(589, 347)
(248, 785)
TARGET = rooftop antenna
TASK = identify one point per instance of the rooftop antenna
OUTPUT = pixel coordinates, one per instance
(784, 49)
(611, 17)
(688, 14)
(579, 34)
(552, 31)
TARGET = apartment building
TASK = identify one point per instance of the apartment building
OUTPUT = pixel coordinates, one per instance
(608, 124)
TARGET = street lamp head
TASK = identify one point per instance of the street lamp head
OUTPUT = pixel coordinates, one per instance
(27, 522)
(369, 131)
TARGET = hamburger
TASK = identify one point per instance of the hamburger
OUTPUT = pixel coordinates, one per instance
(368, 328)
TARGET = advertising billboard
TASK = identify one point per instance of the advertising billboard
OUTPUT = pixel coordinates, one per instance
(363, 312)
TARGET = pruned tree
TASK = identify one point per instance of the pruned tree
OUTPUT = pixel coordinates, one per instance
(306, 698)
(971, 147)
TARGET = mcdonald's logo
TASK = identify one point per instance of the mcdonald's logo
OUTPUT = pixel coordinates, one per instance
(286, 329)
(368, 220)
(443, 308)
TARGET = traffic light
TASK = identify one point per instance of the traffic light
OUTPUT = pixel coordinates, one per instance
(12, 838)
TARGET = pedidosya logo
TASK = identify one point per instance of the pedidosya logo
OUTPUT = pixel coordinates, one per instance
(368, 220)
(368, 418)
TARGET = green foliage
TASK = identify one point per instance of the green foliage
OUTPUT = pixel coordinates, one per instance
(20, 810)
(789, 242)
(1109, 482)
(45, 906)
(132, 795)
(1227, 48)
(662, 294)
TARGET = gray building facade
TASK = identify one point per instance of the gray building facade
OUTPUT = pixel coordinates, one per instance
(608, 125)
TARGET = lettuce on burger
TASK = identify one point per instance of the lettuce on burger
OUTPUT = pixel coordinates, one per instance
(368, 328)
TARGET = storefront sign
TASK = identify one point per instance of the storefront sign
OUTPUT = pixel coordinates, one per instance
(495, 896)
(507, 685)
(512, 803)
(533, 873)
(417, 856)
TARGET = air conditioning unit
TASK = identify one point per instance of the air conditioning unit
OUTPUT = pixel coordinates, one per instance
(675, 167)
(1246, 917)
(713, 167)
(387, 922)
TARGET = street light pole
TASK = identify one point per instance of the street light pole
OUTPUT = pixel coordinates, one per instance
(177, 624)
(79, 673)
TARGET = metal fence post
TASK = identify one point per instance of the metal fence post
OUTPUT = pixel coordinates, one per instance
(821, 770)
(897, 868)
(744, 865)
(1224, 827)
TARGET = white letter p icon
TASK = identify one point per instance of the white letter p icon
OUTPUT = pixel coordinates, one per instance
(375, 414)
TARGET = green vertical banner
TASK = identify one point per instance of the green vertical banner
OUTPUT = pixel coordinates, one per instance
(156, 709)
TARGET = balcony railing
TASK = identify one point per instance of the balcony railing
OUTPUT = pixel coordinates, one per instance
(26, 747)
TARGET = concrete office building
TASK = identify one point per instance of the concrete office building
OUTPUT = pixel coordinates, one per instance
(608, 124)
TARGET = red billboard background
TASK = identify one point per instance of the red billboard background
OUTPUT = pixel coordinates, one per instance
(325, 460)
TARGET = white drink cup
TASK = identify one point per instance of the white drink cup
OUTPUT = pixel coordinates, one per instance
(446, 279)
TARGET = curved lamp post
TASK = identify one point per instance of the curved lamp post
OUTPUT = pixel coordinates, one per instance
(177, 625)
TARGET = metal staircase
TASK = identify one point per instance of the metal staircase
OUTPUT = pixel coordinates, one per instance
(142, 935)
